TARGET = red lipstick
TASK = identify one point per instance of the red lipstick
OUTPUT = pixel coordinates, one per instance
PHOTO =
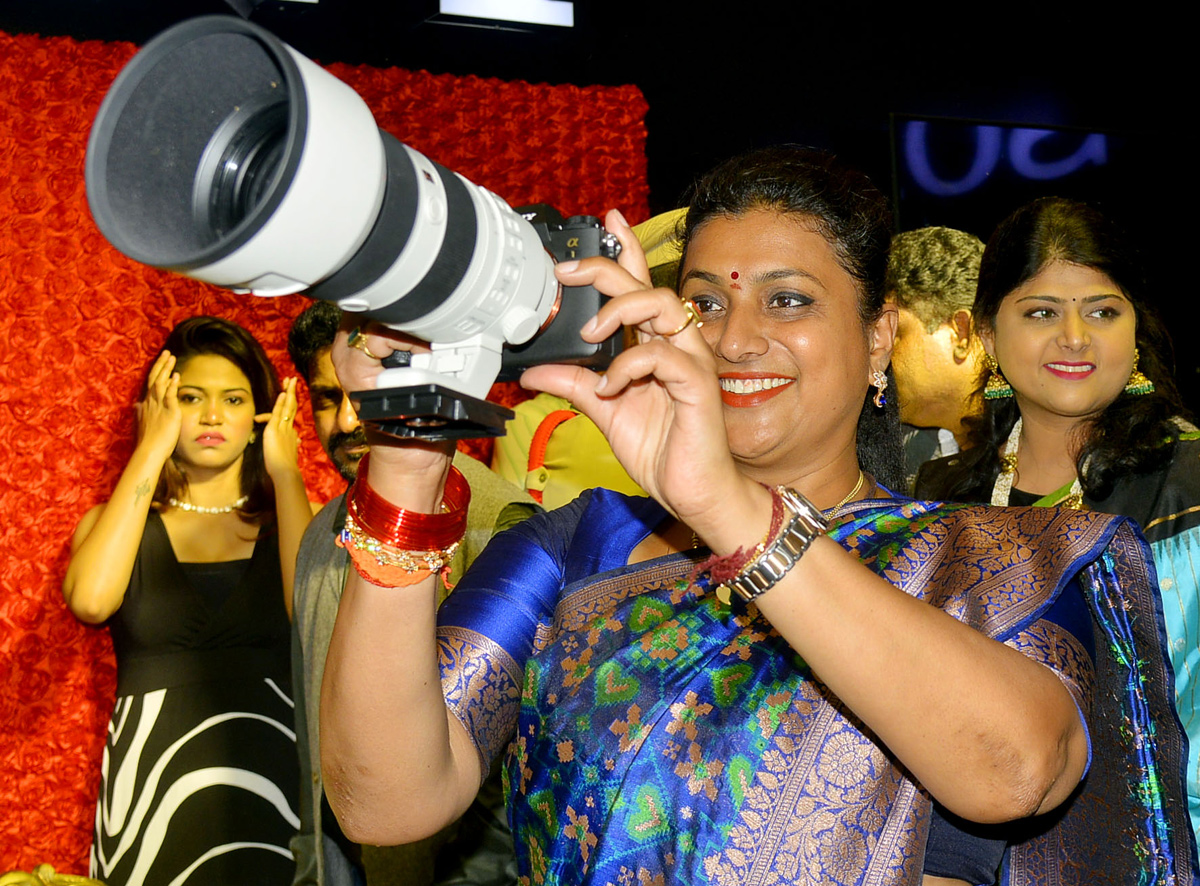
(743, 390)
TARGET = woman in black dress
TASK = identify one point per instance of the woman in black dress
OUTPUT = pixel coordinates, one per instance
(190, 564)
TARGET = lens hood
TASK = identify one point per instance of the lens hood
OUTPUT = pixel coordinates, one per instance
(223, 154)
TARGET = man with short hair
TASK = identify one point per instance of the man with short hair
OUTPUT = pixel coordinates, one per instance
(336, 424)
(478, 850)
(937, 358)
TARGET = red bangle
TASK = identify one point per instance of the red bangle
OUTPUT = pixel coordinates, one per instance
(405, 529)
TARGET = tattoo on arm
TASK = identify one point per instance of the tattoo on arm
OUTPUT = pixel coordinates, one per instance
(142, 490)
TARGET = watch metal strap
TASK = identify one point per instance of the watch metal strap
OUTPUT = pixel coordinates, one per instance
(774, 563)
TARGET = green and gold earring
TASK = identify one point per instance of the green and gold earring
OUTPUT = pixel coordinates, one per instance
(1138, 384)
(997, 387)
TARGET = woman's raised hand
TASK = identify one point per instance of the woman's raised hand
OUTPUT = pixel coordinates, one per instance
(159, 417)
(409, 473)
(281, 457)
(659, 402)
(281, 442)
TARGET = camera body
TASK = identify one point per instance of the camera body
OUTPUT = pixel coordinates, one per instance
(412, 399)
(581, 236)
(223, 154)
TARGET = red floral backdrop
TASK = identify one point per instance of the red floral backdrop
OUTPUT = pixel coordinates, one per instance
(79, 324)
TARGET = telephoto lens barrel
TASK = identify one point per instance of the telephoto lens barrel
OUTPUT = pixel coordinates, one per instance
(223, 154)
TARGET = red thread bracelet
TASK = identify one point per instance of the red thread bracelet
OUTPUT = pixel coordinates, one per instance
(723, 569)
(405, 529)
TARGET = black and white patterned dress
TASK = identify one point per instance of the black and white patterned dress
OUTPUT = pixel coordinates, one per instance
(200, 775)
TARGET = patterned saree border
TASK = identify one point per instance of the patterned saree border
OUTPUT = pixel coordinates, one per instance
(594, 596)
(482, 684)
(952, 548)
(783, 832)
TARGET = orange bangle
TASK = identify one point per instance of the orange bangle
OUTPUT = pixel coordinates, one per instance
(386, 576)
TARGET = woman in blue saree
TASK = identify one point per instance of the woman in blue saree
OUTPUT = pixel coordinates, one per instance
(764, 672)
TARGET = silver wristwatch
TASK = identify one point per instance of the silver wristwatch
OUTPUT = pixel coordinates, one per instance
(764, 572)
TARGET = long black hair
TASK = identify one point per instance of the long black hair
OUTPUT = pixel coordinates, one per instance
(852, 215)
(224, 338)
(1134, 433)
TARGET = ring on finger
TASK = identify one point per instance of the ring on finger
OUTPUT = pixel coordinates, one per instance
(358, 339)
(692, 317)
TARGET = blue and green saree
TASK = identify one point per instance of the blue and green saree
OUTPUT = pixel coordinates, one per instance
(655, 736)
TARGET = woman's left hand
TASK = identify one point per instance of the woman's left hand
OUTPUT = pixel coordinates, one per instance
(659, 403)
(281, 442)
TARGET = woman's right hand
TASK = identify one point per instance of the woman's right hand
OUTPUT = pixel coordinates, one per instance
(159, 416)
(659, 403)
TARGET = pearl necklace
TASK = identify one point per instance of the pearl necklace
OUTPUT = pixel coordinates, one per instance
(1002, 490)
(200, 509)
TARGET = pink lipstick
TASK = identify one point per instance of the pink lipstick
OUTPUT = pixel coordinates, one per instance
(1070, 371)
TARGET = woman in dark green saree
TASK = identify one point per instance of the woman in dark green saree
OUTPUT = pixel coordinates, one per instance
(768, 670)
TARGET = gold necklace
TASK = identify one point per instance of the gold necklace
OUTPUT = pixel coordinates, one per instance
(1002, 489)
(835, 511)
(201, 509)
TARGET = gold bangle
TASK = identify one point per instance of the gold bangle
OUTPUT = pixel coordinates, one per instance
(388, 566)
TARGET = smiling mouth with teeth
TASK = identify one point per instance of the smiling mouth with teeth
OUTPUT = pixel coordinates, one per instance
(1070, 367)
(752, 385)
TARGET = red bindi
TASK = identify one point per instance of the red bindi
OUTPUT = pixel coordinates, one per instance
(733, 275)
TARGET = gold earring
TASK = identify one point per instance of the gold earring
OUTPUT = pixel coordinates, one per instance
(879, 380)
(997, 387)
(253, 436)
(1138, 384)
